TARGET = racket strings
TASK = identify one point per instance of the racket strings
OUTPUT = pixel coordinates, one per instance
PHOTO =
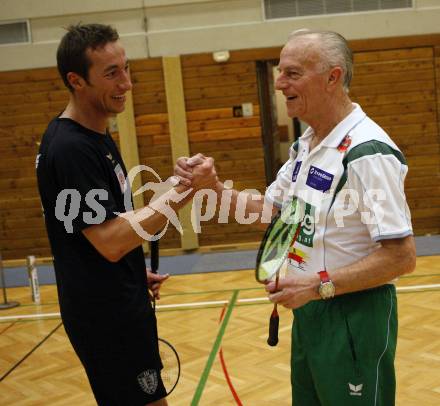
(170, 372)
(277, 241)
(279, 237)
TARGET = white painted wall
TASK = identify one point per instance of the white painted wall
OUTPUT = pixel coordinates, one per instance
(176, 27)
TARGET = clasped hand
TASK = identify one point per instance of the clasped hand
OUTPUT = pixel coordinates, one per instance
(197, 172)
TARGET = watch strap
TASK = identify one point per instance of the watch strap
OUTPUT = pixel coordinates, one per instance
(323, 275)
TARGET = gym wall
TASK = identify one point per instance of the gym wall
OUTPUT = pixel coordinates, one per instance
(397, 75)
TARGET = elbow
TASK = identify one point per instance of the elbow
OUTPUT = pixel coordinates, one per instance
(107, 250)
(401, 255)
(104, 241)
(111, 255)
(410, 264)
(112, 258)
(408, 256)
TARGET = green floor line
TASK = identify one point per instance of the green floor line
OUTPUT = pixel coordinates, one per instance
(199, 390)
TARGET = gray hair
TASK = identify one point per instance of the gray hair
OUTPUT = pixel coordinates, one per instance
(334, 51)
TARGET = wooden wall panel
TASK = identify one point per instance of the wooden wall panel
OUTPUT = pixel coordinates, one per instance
(151, 118)
(209, 85)
(212, 90)
(398, 89)
(433, 204)
(28, 101)
(148, 87)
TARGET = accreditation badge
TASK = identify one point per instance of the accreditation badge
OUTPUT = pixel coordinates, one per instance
(121, 178)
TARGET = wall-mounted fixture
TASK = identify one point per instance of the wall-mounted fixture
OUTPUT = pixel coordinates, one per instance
(221, 56)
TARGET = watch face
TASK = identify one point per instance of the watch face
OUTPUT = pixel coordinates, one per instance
(327, 290)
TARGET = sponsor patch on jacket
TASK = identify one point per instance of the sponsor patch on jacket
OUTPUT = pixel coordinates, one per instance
(319, 179)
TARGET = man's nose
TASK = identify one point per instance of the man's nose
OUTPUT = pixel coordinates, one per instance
(280, 83)
(126, 81)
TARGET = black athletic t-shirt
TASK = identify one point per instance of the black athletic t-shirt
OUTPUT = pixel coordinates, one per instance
(81, 178)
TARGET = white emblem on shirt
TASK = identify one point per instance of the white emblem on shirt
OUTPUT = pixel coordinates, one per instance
(148, 381)
(355, 390)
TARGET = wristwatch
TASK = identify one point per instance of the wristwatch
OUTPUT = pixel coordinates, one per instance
(326, 287)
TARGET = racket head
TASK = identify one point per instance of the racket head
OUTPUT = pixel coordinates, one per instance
(277, 240)
(170, 373)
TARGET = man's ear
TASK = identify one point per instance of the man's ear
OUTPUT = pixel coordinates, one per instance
(76, 81)
(335, 75)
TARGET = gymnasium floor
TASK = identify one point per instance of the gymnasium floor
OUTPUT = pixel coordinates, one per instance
(189, 317)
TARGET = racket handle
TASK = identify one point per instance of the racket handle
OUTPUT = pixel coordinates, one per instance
(273, 328)
(154, 256)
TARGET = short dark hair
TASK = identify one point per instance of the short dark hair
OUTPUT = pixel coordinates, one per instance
(71, 53)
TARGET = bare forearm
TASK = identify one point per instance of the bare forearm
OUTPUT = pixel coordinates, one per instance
(392, 259)
(243, 204)
(115, 238)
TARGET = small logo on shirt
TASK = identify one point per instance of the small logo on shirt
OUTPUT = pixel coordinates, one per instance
(355, 390)
(307, 233)
(296, 170)
(110, 158)
(148, 381)
(297, 258)
(319, 179)
(345, 143)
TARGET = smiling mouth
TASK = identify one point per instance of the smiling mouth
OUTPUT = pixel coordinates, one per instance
(119, 98)
(290, 98)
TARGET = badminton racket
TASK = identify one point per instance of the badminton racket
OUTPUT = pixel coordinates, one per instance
(280, 235)
(170, 358)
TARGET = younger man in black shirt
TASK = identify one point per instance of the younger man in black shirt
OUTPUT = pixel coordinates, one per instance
(98, 259)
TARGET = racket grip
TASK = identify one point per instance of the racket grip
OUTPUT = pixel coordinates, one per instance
(273, 330)
(154, 255)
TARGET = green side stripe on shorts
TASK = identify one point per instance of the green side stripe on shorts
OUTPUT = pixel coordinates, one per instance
(367, 148)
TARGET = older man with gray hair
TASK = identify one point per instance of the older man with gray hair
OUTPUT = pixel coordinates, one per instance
(356, 235)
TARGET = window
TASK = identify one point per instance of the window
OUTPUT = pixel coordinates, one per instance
(14, 32)
(296, 8)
